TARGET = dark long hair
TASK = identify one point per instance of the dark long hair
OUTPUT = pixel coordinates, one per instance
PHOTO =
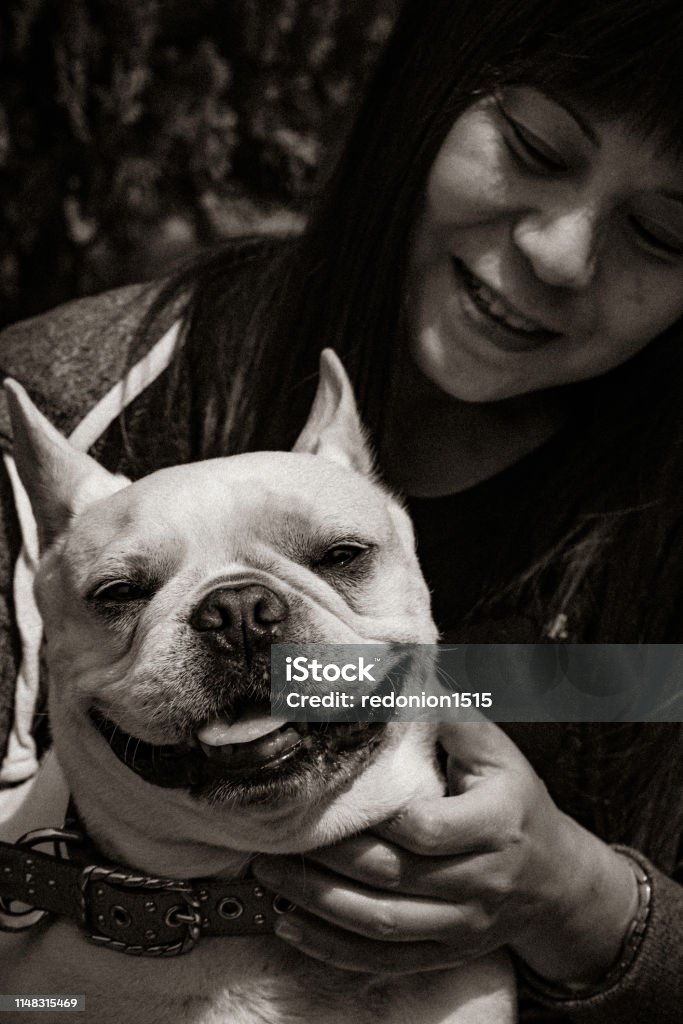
(259, 313)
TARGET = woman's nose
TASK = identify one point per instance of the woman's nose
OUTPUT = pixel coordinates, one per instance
(560, 246)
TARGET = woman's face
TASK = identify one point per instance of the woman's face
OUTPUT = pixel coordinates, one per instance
(550, 249)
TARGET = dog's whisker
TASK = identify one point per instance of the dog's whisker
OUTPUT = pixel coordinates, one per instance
(113, 734)
(394, 686)
(125, 752)
(443, 675)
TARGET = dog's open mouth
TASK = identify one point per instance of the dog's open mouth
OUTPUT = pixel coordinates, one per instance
(256, 753)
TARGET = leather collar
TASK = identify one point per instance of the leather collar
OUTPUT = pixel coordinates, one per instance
(122, 908)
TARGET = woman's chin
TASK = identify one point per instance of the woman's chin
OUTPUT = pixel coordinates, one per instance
(458, 372)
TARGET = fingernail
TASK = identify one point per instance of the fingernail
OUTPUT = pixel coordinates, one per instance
(288, 930)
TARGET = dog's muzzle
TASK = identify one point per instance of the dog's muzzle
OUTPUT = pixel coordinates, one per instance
(234, 745)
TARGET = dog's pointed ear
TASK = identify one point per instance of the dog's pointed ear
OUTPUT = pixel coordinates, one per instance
(334, 429)
(60, 481)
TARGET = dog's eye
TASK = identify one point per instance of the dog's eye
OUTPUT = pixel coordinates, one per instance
(120, 592)
(340, 556)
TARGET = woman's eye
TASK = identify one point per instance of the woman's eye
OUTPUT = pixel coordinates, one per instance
(120, 592)
(340, 556)
(657, 237)
(527, 148)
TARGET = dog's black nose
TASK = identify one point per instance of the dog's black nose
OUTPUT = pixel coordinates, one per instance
(241, 616)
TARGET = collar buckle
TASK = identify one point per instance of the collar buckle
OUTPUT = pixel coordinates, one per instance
(183, 911)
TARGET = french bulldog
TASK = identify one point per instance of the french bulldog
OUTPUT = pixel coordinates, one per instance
(160, 600)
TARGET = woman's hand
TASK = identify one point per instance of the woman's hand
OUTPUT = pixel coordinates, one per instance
(495, 863)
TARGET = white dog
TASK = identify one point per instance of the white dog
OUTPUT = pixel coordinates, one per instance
(160, 601)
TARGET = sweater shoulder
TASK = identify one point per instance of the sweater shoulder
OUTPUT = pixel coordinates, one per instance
(68, 358)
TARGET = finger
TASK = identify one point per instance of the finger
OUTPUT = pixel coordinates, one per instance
(384, 917)
(382, 865)
(477, 744)
(370, 860)
(324, 942)
(449, 826)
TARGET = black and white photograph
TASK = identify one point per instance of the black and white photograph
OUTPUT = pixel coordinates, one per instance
(341, 511)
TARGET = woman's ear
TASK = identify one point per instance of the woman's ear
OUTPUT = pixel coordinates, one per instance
(60, 480)
(333, 428)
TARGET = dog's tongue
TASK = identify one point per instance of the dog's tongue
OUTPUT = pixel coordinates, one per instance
(252, 740)
(251, 726)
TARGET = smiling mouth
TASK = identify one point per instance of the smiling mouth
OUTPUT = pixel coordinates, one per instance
(510, 328)
(254, 763)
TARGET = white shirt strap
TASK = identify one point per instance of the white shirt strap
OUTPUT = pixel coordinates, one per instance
(20, 759)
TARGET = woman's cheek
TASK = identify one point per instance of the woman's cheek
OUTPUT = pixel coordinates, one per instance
(641, 303)
(468, 181)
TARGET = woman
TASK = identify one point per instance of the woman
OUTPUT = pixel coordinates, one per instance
(499, 262)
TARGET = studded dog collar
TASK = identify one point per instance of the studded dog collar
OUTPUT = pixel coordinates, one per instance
(123, 909)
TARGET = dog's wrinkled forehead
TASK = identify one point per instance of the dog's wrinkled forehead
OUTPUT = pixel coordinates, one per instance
(277, 499)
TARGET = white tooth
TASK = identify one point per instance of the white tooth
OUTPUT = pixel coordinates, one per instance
(497, 308)
(519, 323)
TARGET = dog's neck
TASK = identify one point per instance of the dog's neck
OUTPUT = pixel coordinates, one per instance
(141, 836)
(117, 842)
(133, 823)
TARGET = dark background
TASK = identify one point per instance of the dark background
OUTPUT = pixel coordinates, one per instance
(135, 132)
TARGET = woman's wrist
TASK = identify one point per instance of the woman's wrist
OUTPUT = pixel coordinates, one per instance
(578, 936)
(633, 939)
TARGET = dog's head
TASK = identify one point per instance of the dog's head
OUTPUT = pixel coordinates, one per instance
(161, 599)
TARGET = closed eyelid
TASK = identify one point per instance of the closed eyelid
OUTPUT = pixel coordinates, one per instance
(545, 149)
(582, 123)
(665, 231)
(518, 126)
(662, 206)
(528, 106)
